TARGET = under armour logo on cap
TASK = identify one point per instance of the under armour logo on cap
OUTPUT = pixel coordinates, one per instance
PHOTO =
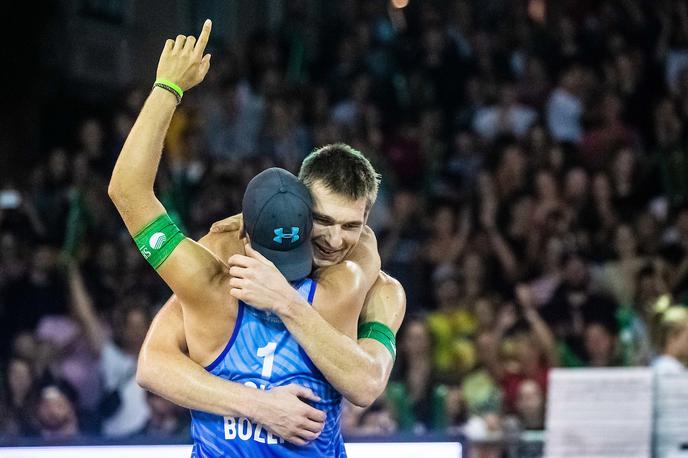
(280, 235)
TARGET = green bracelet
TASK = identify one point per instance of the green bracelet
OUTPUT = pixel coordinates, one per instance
(171, 87)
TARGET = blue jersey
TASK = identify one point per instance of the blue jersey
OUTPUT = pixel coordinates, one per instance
(262, 354)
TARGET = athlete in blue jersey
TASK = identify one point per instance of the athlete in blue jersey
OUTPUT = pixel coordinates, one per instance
(261, 353)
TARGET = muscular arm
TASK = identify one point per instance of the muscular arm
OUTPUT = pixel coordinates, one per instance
(164, 369)
(359, 370)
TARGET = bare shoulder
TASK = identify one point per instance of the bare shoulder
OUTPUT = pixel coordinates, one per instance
(344, 275)
(386, 302)
(223, 244)
(388, 285)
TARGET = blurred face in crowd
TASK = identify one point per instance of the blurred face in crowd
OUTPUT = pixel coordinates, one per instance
(57, 164)
(55, 411)
(599, 345)
(682, 223)
(647, 228)
(91, 135)
(678, 342)
(473, 268)
(513, 161)
(337, 224)
(576, 184)
(135, 328)
(624, 164)
(553, 251)
(611, 108)
(601, 189)
(575, 272)
(485, 313)
(44, 259)
(648, 288)
(443, 222)
(447, 292)
(526, 350)
(19, 379)
(508, 96)
(25, 346)
(416, 340)
(624, 241)
(522, 212)
(546, 185)
(530, 404)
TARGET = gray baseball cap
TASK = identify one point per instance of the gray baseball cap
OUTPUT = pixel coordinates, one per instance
(277, 210)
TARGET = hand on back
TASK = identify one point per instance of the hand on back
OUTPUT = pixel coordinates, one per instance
(289, 417)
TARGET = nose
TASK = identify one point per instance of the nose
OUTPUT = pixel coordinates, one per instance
(335, 237)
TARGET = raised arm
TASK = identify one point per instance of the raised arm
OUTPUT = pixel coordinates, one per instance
(195, 275)
(82, 308)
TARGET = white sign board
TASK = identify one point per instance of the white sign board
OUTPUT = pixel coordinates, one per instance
(601, 413)
(671, 416)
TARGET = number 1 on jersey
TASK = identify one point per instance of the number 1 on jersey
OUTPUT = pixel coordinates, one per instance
(267, 352)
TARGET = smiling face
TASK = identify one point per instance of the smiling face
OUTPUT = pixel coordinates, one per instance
(337, 224)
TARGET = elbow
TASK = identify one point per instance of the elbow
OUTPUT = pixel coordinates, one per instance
(364, 396)
(146, 372)
(144, 377)
(115, 192)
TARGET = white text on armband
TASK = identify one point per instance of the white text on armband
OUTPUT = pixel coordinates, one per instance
(244, 429)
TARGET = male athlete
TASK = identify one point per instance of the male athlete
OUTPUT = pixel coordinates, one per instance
(206, 297)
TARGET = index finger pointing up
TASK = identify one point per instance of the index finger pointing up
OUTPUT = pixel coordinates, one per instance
(203, 37)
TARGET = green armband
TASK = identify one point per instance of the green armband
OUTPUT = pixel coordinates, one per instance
(380, 332)
(158, 240)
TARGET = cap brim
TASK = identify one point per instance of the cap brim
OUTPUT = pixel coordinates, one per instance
(294, 264)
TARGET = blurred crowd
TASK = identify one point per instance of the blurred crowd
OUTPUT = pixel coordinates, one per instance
(534, 205)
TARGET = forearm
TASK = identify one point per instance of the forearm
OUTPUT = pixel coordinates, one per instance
(82, 307)
(347, 366)
(544, 336)
(174, 376)
(504, 255)
(134, 174)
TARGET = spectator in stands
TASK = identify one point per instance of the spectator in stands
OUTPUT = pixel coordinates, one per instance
(601, 343)
(411, 396)
(573, 305)
(530, 405)
(507, 117)
(124, 403)
(453, 327)
(672, 340)
(529, 348)
(565, 107)
(167, 420)
(56, 413)
(20, 388)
